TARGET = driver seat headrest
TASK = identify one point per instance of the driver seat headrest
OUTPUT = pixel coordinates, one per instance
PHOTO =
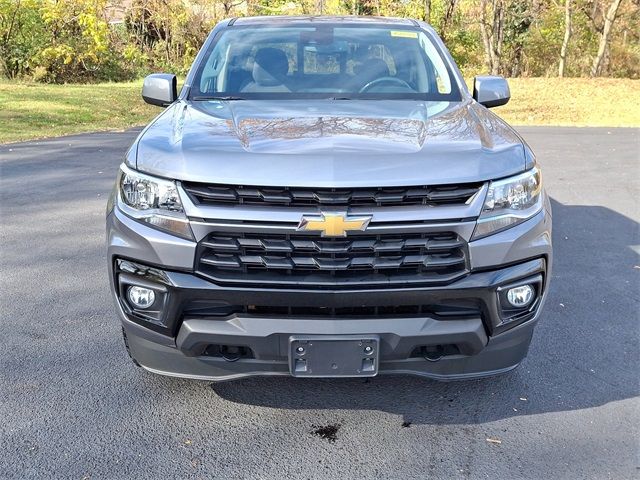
(270, 67)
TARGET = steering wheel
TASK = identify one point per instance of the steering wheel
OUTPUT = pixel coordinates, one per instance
(377, 81)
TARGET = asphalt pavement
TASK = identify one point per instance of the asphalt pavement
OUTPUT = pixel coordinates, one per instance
(72, 405)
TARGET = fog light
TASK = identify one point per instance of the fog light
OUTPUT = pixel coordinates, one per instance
(141, 297)
(520, 296)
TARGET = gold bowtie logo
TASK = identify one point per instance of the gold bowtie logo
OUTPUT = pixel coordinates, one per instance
(333, 224)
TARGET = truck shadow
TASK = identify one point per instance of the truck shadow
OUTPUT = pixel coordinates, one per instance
(584, 353)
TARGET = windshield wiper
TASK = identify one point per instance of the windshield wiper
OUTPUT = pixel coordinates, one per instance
(217, 97)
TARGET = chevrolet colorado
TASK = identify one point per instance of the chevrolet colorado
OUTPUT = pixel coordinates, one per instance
(325, 198)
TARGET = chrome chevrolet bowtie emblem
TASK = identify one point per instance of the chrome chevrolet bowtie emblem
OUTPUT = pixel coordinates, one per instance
(333, 224)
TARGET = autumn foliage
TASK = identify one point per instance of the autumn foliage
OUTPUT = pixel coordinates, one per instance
(60, 41)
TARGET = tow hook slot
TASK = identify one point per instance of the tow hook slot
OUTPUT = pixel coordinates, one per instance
(435, 353)
(230, 353)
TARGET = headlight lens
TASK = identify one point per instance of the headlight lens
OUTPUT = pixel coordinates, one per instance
(152, 200)
(509, 202)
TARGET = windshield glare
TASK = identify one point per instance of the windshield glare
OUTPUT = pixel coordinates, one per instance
(323, 62)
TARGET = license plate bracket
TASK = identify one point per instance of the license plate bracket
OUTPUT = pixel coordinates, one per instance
(334, 356)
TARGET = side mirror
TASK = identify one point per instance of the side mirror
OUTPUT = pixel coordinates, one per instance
(160, 89)
(491, 91)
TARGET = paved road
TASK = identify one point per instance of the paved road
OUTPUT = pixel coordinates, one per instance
(72, 405)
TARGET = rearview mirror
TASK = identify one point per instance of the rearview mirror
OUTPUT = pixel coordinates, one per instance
(160, 89)
(491, 91)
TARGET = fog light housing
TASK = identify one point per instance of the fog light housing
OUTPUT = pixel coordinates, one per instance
(141, 297)
(520, 297)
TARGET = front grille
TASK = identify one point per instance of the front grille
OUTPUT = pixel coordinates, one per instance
(205, 194)
(299, 260)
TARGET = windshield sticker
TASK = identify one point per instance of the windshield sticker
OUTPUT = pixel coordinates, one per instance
(404, 34)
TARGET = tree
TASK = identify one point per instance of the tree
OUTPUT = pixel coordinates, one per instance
(519, 16)
(492, 30)
(567, 37)
(448, 17)
(79, 39)
(22, 35)
(229, 5)
(596, 68)
(76, 40)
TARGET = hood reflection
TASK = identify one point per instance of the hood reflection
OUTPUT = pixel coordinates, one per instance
(330, 143)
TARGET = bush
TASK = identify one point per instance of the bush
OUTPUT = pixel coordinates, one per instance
(22, 36)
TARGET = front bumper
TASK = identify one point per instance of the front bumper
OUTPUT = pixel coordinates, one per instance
(199, 318)
(500, 354)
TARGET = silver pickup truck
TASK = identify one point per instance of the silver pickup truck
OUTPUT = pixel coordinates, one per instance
(325, 198)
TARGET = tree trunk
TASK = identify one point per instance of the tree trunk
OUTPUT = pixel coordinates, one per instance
(486, 38)
(492, 34)
(448, 16)
(498, 26)
(567, 37)
(596, 68)
(427, 11)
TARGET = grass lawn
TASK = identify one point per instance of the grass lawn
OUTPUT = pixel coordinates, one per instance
(582, 102)
(29, 110)
(32, 110)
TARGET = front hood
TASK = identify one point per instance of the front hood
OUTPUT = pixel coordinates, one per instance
(341, 143)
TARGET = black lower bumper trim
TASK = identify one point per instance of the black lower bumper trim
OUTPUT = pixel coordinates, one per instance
(182, 293)
(268, 337)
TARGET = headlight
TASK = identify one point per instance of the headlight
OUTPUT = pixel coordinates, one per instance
(509, 202)
(152, 200)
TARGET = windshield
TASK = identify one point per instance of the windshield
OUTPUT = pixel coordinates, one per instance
(327, 61)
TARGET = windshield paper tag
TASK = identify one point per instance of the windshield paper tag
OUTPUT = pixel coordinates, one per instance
(404, 34)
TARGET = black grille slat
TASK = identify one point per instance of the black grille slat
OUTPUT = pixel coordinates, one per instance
(332, 263)
(448, 261)
(303, 259)
(213, 193)
(458, 194)
(206, 194)
(272, 263)
(220, 261)
(338, 246)
(218, 244)
(460, 311)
